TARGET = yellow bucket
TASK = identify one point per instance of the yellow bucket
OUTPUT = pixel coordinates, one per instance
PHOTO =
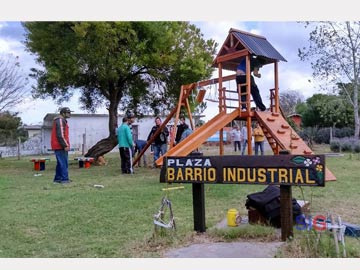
(231, 217)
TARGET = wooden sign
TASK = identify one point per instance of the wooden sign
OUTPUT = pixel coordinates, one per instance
(294, 170)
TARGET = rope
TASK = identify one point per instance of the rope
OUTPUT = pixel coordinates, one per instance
(210, 96)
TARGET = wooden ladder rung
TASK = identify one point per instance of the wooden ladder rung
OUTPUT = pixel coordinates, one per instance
(231, 91)
(281, 131)
(232, 99)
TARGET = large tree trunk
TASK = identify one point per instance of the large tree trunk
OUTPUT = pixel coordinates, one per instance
(102, 147)
(106, 145)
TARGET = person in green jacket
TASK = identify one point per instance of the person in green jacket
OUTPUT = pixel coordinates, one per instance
(126, 143)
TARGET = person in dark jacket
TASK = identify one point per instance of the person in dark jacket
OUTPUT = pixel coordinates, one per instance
(160, 141)
(60, 143)
(255, 65)
(180, 129)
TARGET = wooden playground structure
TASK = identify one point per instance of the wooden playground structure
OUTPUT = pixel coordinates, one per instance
(278, 132)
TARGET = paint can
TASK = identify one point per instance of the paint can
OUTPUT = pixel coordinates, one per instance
(231, 217)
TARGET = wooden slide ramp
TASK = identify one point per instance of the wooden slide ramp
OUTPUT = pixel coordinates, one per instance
(200, 135)
(281, 135)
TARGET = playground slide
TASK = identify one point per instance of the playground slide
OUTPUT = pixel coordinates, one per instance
(276, 127)
(200, 135)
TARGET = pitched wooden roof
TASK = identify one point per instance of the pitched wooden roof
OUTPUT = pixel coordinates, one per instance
(239, 44)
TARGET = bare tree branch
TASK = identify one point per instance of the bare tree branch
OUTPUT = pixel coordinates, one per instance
(12, 83)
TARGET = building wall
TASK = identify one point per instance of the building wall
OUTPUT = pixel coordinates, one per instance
(33, 132)
(92, 128)
(31, 147)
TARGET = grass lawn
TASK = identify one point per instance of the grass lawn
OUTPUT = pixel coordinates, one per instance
(45, 220)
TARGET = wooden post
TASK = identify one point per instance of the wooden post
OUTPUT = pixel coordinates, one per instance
(286, 211)
(199, 207)
(198, 203)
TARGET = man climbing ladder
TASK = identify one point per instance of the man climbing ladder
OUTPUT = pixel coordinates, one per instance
(255, 64)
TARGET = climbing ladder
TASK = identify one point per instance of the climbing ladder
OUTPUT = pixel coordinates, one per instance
(281, 136)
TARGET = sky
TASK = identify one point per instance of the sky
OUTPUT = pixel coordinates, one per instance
(286, 37)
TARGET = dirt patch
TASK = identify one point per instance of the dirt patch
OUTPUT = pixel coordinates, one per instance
(226, 250)
(207, 247)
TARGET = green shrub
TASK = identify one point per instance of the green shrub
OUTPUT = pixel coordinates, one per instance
(356, 147)
(335, 146)
(346, 146)
(322, 135)
(343, 132)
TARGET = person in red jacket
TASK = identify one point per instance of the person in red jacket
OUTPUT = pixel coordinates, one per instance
(61, 145)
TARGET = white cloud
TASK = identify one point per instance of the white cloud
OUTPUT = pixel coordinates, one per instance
(286, 37)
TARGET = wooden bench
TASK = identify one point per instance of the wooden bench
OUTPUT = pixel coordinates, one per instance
(84, 162)
(39, 163)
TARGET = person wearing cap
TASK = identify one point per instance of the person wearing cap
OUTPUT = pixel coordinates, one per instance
(60, 144)
(125, 142)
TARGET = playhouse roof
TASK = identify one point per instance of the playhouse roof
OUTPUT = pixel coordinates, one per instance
(239, 43)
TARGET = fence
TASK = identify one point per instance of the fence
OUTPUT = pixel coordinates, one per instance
(31, 147)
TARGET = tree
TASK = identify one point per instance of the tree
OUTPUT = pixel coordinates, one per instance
(124, 65)
(289, 100)
(12, 82)
(11, 129)
(334, 52)
(326, 111)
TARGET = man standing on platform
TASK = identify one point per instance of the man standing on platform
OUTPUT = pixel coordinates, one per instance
(255, 65)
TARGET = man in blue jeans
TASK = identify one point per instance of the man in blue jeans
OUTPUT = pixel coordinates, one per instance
(60, 143)
(160, 141)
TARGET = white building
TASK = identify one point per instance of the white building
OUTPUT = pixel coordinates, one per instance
(85, 130)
